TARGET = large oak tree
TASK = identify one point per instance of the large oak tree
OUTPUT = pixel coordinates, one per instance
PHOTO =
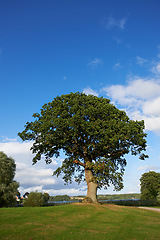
(94, 135)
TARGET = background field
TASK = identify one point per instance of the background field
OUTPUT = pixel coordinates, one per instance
(79, 221)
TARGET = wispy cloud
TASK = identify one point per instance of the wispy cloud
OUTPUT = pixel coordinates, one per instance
(158, 51)
(156, 67)
(153, 65)
(94, 63)
(117, 66)
(6, 139)
(64, 78)
(148, 168)
(112, 22)
(118, 40)
(141, 61)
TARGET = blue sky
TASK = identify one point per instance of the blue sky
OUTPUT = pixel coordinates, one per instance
(106, 48)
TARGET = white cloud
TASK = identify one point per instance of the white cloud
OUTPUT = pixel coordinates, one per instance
(152, 107)
(94, 63)
(90, 91)
(118, 23)
(39, 176)
(33, 175)
(31, 189)
(137, 88)
(14, 147)
(152, 123)
(30, 176)
(141, 100)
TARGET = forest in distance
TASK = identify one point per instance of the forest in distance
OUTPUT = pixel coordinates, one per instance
(120, 196)
(100, 197)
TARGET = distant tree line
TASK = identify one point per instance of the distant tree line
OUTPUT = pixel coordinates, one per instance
(119, 196)
(60, 198)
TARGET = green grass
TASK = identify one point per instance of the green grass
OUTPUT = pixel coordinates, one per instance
(78, 221)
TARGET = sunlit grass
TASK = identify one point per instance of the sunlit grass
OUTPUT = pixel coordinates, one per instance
(78, 221)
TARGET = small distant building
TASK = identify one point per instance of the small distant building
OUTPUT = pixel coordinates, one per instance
(17, 198)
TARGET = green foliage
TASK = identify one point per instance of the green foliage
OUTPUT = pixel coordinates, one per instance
(93, 133)
(150, 185)
(8, 187)
(36, 199)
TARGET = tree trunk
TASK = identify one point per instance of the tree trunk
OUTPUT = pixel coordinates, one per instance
(91, 186)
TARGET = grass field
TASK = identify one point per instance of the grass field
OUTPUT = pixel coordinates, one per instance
(79, 221)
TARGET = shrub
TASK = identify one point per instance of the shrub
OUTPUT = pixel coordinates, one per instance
(36, 199)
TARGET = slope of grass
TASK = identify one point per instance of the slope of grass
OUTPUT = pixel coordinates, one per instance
(78, 221)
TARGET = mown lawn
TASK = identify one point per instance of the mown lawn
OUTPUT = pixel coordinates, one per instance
(78, 221)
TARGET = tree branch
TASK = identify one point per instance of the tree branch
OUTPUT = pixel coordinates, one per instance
(79, 163)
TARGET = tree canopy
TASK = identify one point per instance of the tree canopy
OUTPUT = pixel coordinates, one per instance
(94, 135)
(8, 187)
(150, 185)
